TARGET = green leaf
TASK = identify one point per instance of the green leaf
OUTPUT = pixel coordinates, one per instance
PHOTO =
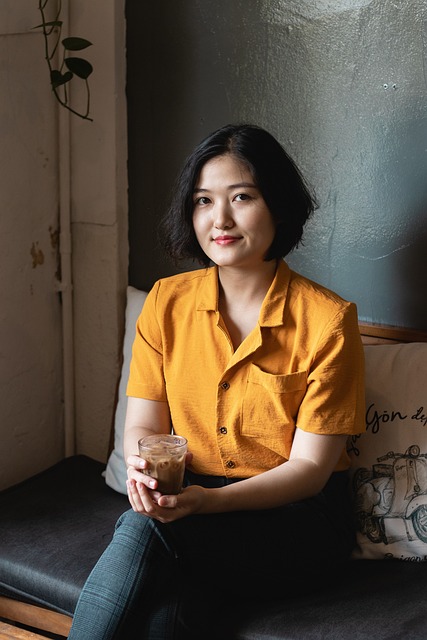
(76, 44)
(57, 78)
(82, 68)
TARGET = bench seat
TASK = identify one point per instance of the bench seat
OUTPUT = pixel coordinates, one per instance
(55, 526)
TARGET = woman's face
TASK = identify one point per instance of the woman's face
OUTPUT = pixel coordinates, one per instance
(231, 220)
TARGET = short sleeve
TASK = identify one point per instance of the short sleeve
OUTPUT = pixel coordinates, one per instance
(146, 378)
(335, 399)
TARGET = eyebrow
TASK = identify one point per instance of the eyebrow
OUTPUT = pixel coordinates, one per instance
(239, 185)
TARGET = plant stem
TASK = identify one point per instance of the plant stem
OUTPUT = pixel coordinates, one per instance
(48, 29)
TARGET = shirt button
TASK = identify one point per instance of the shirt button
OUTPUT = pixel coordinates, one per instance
(230, 464)
(223, 430)
(225, 386)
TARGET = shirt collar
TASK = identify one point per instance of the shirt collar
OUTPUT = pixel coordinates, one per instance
(207, 296)
(272, 309)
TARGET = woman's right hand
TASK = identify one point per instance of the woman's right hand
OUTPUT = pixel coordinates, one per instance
(135, 471)
(136, 466)
(146, 500)
(143, 484)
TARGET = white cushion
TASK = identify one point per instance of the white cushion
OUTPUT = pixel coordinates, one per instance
(115, 473)
(389, 460)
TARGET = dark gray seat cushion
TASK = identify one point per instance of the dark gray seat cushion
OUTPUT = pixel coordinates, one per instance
(373, 599)
(55, 526)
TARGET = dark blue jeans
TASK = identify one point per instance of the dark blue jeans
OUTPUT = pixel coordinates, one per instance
(170, 581)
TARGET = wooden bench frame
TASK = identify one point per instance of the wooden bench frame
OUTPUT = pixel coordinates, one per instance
(32, 616)
(44, 620)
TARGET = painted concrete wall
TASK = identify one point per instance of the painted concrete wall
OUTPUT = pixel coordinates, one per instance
(99, 224)
(31, 338)
(341, 83)
(31, 435)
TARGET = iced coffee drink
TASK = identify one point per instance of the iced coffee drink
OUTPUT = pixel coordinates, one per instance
(165, 455)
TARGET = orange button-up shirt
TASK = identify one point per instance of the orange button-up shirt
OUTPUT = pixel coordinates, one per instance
(302, 365)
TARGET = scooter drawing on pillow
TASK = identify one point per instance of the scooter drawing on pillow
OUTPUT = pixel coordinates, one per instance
(392, 492)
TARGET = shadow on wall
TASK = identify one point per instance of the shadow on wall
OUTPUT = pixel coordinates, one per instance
(192, 67)
(151, 88)
(172, 66)
(411, 275)
(408, 270)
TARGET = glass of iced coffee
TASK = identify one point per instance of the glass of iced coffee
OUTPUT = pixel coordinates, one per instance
(165, 454)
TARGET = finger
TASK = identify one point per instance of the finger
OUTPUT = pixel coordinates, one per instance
(155, 495)
(137, 463)
(133, 495)
(134, 460)
(141, 478)
(168, 501)
(148, 505)
(139, 498)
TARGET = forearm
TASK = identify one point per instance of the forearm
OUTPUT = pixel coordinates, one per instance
(143, 418)
(312, 461)
(131, 437)
(290, 482)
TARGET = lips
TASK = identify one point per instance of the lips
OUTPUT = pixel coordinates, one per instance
(224, 240)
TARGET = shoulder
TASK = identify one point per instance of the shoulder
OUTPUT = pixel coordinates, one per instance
(182, 290)
(311, 294)
(320, 310)
(185, 279)
(181, 283)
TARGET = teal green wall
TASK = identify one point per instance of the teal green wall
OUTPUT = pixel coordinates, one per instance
(341, 83)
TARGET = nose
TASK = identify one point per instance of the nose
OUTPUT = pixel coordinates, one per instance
(222, 216)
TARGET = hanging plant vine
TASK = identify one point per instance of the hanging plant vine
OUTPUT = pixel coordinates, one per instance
(70, 65)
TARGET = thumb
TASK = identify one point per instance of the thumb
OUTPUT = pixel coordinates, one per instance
(168, 501)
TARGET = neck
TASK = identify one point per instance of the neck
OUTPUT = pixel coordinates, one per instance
(246, 285)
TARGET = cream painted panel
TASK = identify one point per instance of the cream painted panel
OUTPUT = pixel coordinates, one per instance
(31, 436)
(99, 217)
(18, 16)
(97, 328)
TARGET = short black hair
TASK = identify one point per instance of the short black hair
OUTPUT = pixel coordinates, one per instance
(275, 173)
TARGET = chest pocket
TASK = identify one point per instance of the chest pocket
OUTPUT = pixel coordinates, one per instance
(271, 403)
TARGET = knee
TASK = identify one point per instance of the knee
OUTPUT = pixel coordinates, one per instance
(142, 530)
(133, 524)
(131, 518)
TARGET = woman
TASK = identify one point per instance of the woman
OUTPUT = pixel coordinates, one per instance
(262, 371)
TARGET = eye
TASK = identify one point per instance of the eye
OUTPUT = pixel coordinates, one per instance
(203, 200)
(240, 197)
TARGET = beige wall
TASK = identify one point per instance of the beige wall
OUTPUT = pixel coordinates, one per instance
(31, 435)
(31, 353)
(99, 223)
